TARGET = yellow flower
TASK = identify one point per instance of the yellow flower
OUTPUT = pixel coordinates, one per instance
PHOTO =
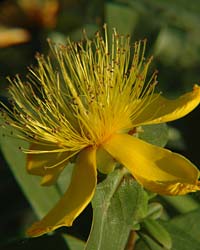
(87, 100)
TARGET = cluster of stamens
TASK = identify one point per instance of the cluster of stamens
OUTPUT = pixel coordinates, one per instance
(82, 93)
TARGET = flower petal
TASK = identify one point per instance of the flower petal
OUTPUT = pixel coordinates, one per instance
(157, 169)
(13, 36)
(105, 162)
(76, 198)
(52, 175)
(43, 164)
(165, 110)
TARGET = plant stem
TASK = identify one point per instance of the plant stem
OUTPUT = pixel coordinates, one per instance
(131, 241)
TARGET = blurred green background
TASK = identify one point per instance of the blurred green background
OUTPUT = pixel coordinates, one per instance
(172, 28)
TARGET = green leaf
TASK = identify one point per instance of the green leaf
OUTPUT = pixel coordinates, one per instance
(184, 231)
(176, 139)
(189, 223)
(42, 199)
(46, 242)
(155, 134)
(90, 30)
(183, 204)
(120, 17)
(118, 204)
(178, 23)
(65, 178)
(181, 238)
(157, 232)
(74, 243)
(155, 210)
(147, 243)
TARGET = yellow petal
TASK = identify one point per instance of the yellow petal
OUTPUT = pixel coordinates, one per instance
(76, 198)
(52, 175)
(43, 164)
(157, 169)
(165, 110)
(13, 36)
(105, 162)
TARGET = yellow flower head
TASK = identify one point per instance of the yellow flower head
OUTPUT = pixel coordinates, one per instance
(87, 100)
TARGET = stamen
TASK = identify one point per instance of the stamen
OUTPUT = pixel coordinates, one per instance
(82, 94)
